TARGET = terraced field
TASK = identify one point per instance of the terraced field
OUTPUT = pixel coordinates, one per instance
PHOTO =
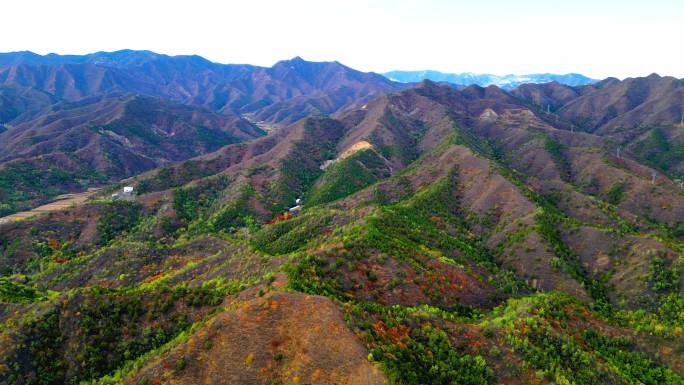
(62, 202)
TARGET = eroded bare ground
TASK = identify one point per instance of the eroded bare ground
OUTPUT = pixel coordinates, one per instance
(276, 338)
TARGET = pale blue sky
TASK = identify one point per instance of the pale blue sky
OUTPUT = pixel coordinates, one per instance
(598, 38)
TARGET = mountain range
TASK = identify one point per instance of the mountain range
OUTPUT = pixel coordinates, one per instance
(503, 81)
(73, 122)
(274, 92)
(313, 224)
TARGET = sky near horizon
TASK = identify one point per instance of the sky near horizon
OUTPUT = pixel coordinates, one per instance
(598, 38)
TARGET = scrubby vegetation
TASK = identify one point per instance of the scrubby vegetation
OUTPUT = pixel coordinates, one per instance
(103, 328)
(286, 236)
(427, 266)
(660, 152)
(556, 150)
(16, 292)
(166, 177)
(550, 332)
(547, 226)
(118, 217)
(143, 112)
(413, 232)
(630, 364)
(24, 185)
(663, 278)
(614, 195)
(191, 202)
(235, 214)
(347, 176)
(300, 169)
(414, 351)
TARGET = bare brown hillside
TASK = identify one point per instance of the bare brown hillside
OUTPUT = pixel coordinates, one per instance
(286, 338)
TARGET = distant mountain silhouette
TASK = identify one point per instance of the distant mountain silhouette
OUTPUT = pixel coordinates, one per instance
(296, 87)
(468, 78)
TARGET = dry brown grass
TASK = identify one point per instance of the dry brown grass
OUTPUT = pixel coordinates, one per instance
(63, 202)
(288, 337)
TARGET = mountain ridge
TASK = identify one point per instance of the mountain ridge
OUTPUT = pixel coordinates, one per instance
(642, 115)
(242, 95)
(189, 79)
(509, 81)
(430, 234)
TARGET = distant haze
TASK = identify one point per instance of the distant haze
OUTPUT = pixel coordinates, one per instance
(597, 38)
(506, 81)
